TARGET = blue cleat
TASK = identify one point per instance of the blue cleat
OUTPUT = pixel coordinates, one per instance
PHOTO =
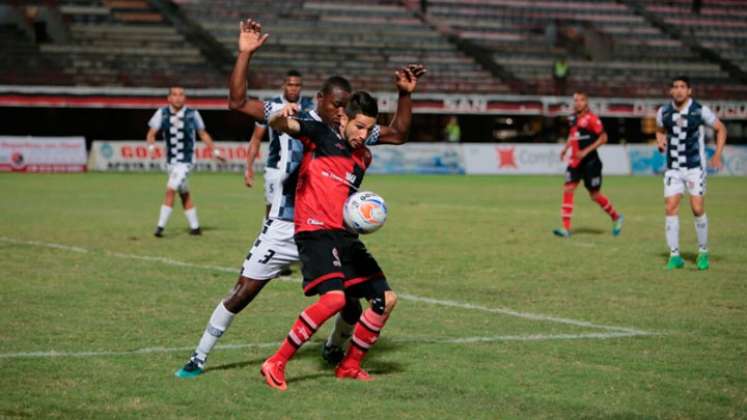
(193, 368)
(617, 226)
(562, 232)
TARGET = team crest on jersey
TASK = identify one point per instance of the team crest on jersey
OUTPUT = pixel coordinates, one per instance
(350, 178)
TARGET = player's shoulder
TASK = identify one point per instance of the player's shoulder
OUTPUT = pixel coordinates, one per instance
(306, 103)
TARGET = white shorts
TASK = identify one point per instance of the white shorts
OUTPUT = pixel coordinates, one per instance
(272, 251)
(178, 173)
(677, 180)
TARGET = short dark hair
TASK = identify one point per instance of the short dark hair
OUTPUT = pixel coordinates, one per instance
(175, 87)
(681, 79)
(333, 82)
(293, 73)
(582, 93)
(362, 103)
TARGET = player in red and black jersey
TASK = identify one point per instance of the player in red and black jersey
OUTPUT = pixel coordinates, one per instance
(585, 137)
(336, 264)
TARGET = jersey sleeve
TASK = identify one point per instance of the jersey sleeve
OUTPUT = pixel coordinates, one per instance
(155, 120)
(596, 126)
(199, 123)
(660, 117)
(310, 131)
(709, 117)
(373, 136)
(268, 112)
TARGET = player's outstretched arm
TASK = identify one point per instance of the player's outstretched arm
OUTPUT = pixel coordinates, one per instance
(283, 120)
(406, 80)
(720, 129)
(252, 153)
(205, 137)
(250, 40)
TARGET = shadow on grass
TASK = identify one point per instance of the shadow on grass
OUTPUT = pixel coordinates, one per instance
(690, 256)
(587, 231)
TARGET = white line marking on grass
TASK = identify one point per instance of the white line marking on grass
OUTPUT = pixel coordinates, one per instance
(241, 346)
(405, 296)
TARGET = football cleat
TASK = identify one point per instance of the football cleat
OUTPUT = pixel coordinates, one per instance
(193, 368)
(702, 261)
(675, 262)
(332, 354)
(274, 373)
(159, 232)
(562, 232)
(617, 226)
(352, 372)
(195, 232)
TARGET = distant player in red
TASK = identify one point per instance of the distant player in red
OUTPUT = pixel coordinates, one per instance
(585, 137)
(336, 264)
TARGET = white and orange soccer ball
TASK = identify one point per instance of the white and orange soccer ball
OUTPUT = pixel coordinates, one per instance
(365, 212)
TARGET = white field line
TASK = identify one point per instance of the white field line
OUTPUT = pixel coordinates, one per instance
(419, 340)
(401, 295)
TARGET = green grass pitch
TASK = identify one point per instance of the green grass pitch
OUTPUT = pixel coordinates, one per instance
(497, 318)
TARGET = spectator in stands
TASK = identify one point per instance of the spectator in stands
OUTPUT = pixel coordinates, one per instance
(452, 131)
(31, 13)
(560, 71)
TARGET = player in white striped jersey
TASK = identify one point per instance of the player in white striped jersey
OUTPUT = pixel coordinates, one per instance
(275, 247)
(179, 126)
(680, 134)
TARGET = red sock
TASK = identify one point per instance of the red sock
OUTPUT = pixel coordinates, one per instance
(605, 204)
(309, 321)
(365, 334)
(566, 210)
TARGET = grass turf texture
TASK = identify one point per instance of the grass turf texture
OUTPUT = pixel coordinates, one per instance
(476, 240)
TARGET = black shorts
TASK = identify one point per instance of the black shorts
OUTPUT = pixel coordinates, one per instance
(338, 260)
(590, 171)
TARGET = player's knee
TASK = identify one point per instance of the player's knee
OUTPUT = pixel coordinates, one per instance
(243, 293)
(390, 301)
(334, 300)
(593, 194)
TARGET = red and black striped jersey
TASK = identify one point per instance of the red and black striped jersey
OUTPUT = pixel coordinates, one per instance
(584, 132)
(330, 171)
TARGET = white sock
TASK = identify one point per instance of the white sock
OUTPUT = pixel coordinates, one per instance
(673, 234)
(218, 324)
(341, 332)
(701, 231)
(192, 218)
(163, 217)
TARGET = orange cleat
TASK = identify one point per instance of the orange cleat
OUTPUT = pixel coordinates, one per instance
(274, 373)
(352, 372)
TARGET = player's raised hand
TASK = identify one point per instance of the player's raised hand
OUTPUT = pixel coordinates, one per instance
(251, 36)
(406, 78)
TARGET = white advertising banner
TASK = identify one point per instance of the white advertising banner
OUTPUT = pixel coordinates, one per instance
(42, 154)
(418, 158)
(514, 158)
(648, 160)
(134, 156)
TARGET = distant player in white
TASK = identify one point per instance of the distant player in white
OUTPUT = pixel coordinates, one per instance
(178, 125)
(680, 134)
(275, 247)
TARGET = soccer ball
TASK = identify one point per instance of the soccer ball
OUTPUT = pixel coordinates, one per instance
(364, 212)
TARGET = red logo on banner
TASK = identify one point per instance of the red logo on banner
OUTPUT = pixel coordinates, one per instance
(506, 157)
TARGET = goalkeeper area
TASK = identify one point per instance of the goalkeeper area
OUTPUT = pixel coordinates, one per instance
(497, 318)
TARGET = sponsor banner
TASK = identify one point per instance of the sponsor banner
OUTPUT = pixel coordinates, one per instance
(42, 154)
(513, 158)
(134, 156)
(647, 160)
(418, 158)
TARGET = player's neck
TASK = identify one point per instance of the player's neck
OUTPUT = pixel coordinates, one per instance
(175, 109)
(681, 105)
(582, 113)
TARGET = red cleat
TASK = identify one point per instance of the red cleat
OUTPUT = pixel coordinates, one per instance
(274, 373)
(352, 372)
